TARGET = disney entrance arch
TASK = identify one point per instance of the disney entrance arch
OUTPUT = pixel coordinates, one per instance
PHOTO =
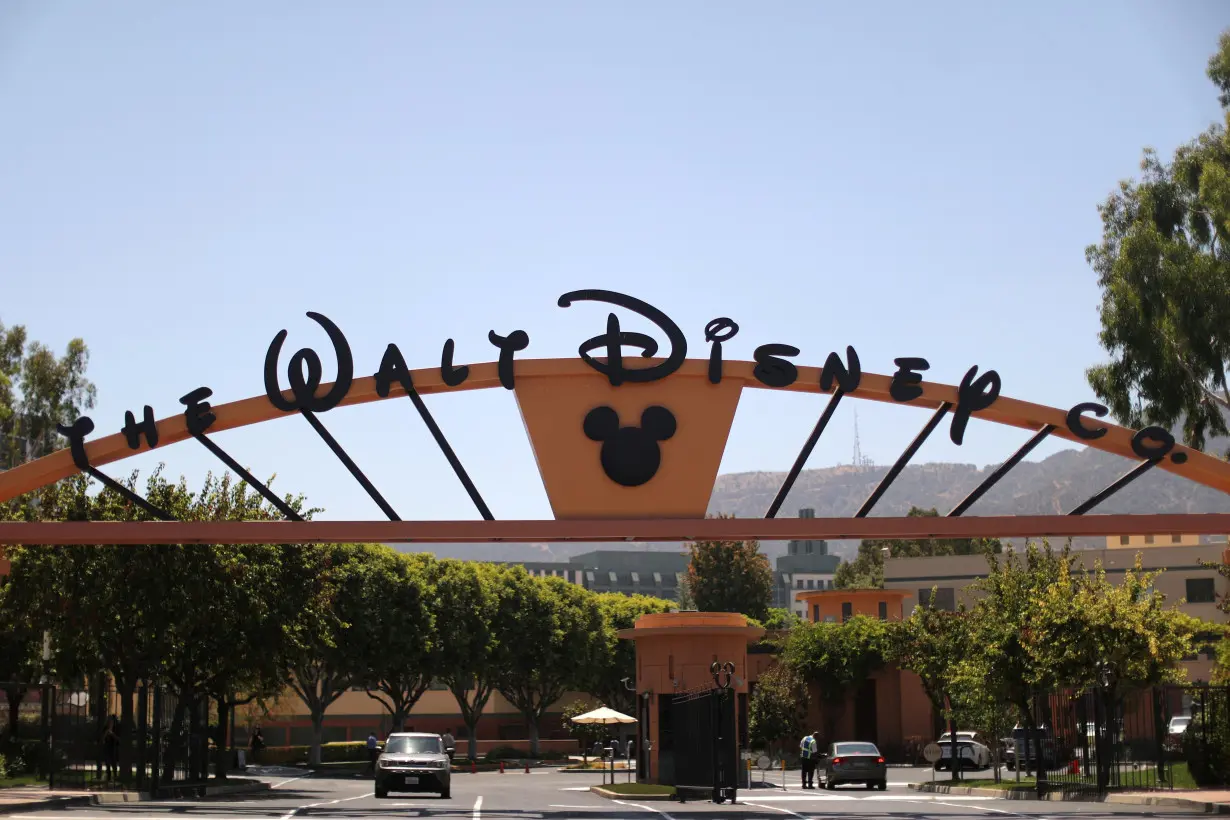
(628, 448)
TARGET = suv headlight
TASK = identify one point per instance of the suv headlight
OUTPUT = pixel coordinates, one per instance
(386, 764)
(439, 764)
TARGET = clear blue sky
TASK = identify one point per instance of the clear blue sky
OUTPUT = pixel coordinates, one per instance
(179, 181)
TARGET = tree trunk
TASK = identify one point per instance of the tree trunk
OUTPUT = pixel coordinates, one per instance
(472, 734)
(533, 731)
(318, 731)
(221, 764)
(174, 741)
(15, 695)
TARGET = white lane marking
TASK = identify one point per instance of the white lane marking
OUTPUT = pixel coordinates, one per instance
(575, 789)
(295, 811)
(981, 808)
(292, 780)
(645, 808)
(774, 808)
(562, 806)
(478, 805)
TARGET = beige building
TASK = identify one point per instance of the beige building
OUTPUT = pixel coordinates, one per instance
(1123, 542)
(1199, 588)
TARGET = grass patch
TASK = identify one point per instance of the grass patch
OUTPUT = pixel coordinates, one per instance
(1180, 775)
(1007, 784)
(640, 788)
(597, 765)
(23, 780)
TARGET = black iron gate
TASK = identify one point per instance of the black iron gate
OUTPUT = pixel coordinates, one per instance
(101, 739)
(704, 740)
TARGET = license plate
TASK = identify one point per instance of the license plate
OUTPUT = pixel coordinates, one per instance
(411, 781)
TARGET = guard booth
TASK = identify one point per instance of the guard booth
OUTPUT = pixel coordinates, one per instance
(693, 716)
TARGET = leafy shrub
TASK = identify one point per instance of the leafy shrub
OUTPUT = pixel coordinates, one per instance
(4, 767)
(353, 750)
(283, 755)
(1208, 752)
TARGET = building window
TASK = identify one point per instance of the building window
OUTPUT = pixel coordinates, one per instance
(1124, 540)
(883, 610)
(944, 599)
(815, 613)
(1200, 591)
(657, 578)
(811, 584)
(847, 609)
(636, 577)
(1176, 539)
(829, 619)
(589, 576)
(1148, 539)
(798, 583)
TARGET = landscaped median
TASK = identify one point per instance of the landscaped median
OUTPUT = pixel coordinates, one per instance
(639, 791)
(1010, 790)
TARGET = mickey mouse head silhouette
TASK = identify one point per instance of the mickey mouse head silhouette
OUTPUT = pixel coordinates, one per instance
(630, 455)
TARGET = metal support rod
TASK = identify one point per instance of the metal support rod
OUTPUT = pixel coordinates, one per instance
(447, 450)
(804, 454)
(1002, 470)
(350, 465)
(269, 494)
(112, 484)
(903, 460)
(1117, 485)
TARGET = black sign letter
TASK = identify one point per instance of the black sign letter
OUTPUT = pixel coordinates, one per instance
(392, 369)
(1077, 426)
(132, 431)
(973, 395)
(452, 376)
(304, 387)
(718, 331)
(197, 415)
(508, 345)
(614, 340)
(771, 369)
(848, 375)
(904, 386)
(76, 434)
(1165, 443)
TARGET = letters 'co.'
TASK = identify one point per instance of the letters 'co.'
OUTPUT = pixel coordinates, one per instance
(629, 455)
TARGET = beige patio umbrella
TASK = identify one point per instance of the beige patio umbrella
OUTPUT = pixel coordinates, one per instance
(604, 715)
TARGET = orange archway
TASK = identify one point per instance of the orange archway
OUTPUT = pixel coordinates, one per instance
(626, 458)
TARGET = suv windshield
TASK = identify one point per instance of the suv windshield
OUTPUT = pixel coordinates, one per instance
(412, 745)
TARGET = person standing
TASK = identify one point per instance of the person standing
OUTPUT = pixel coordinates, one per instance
(450, 744)
(111, 746)
(373, 751)
(257, 743)
(808, 747)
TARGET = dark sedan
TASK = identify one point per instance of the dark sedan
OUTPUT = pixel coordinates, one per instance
(854, 763)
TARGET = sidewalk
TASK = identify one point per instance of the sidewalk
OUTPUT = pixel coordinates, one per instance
(33, 798)
(1209, 801)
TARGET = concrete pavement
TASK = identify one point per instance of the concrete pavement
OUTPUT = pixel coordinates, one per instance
(548, 795)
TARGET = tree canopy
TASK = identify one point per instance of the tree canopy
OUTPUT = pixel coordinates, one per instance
(1163, 265)
(730, 576)
(866, 571)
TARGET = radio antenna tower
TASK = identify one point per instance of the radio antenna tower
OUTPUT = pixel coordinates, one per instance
(860, 461)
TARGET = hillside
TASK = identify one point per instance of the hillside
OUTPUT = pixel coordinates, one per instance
(1051, 486)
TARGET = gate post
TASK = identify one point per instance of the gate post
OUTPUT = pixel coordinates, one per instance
(156, 743)
(142, 732)
(48, 762)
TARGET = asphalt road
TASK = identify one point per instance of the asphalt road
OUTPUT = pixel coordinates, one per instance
(549, 795)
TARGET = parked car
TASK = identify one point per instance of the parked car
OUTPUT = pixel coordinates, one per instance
(973, 752)
(1027, 753)
(413, 762)
(854, 763)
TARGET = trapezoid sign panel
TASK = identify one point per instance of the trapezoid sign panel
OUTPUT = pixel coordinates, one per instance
(647, 450)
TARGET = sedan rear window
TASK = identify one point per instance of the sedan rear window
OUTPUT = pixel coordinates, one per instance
(412, 745)
(856, 749)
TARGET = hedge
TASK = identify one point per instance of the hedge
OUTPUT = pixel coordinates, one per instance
(355, 750)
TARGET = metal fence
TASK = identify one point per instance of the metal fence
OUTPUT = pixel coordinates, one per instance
(706, 756)
(1159, 738)
(101, 739)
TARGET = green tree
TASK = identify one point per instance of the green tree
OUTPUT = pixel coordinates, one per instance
(551, 635)
(467, 650)
(1164, 272)
(866, 571)
(781, 620)
(837, 658)
(730, 576)
(38, 390)
(617, 662)
(585, 733)
(778, 708)
(335, 656)
(400, 667)
(20, 652)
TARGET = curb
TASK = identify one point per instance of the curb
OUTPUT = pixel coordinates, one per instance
(110, 798)
(610, 795)
(1077, 797)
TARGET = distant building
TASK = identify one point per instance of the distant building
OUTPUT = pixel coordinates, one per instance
(806, 566)
(631, 573)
